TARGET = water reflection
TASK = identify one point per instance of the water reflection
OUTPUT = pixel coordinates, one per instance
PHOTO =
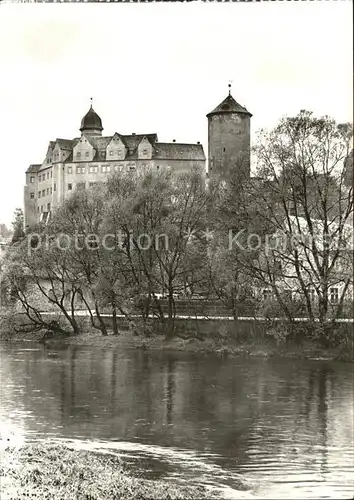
(285, 428)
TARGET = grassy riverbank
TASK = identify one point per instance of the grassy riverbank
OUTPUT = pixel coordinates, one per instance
(226, 347)
(48, 472)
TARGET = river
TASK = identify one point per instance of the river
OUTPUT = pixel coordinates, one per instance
(256, 428)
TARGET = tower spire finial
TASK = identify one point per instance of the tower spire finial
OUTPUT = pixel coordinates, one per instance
(230, 81)
(91, 99)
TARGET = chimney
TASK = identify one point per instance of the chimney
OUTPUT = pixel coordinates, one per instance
(133, 133)
(174, 140)
(198, 142)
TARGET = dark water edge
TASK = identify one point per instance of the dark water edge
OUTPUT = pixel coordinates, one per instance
(227, 348)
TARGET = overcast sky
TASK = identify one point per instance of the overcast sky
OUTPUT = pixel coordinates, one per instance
(160, 68)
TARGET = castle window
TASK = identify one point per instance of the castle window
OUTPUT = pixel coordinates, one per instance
(70, 186)
(47, 191)
(334, 295)
(87, 154)
(111, 153)
(32, 179)
(51, 190)
(80, 170)
(48, 207)
(48, 160)
(104, 169)
(51, 173)
(39, 194)
(70, 170)
(43, 192)
(38, 209)
(80, 185)
(41, 208)
(157, 167)
(78, 155)
(131, 168)
(108, 168)
(47, 175)
(55, 187)
(278, 266)
(32, 196)
(267, 294)
(224, 150)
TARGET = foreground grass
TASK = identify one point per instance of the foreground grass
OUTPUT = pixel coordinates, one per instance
(48, 472)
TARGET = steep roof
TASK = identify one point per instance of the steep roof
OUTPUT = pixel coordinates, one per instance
(161, 150)
(132, 141)
(229, 105)
(33, 168)
(66, 144)
(177, 151)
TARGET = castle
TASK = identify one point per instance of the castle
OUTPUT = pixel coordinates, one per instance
(78, 163)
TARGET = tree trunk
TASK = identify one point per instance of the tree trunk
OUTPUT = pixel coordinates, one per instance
(115, 321)
(170, 314)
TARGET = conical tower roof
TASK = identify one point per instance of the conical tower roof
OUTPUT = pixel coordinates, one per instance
(229, 105)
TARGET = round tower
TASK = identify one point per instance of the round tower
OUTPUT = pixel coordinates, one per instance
(229, 140)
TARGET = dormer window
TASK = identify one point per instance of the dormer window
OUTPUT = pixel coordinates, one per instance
(111, 153)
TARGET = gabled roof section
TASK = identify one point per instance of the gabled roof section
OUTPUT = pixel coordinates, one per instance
(33, 168)
(177, 151)
(132, 141)
(66, 144)
(100, 143)
(229, 105)
(89, 139)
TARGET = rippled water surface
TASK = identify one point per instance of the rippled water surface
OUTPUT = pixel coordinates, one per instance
(258, 428)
